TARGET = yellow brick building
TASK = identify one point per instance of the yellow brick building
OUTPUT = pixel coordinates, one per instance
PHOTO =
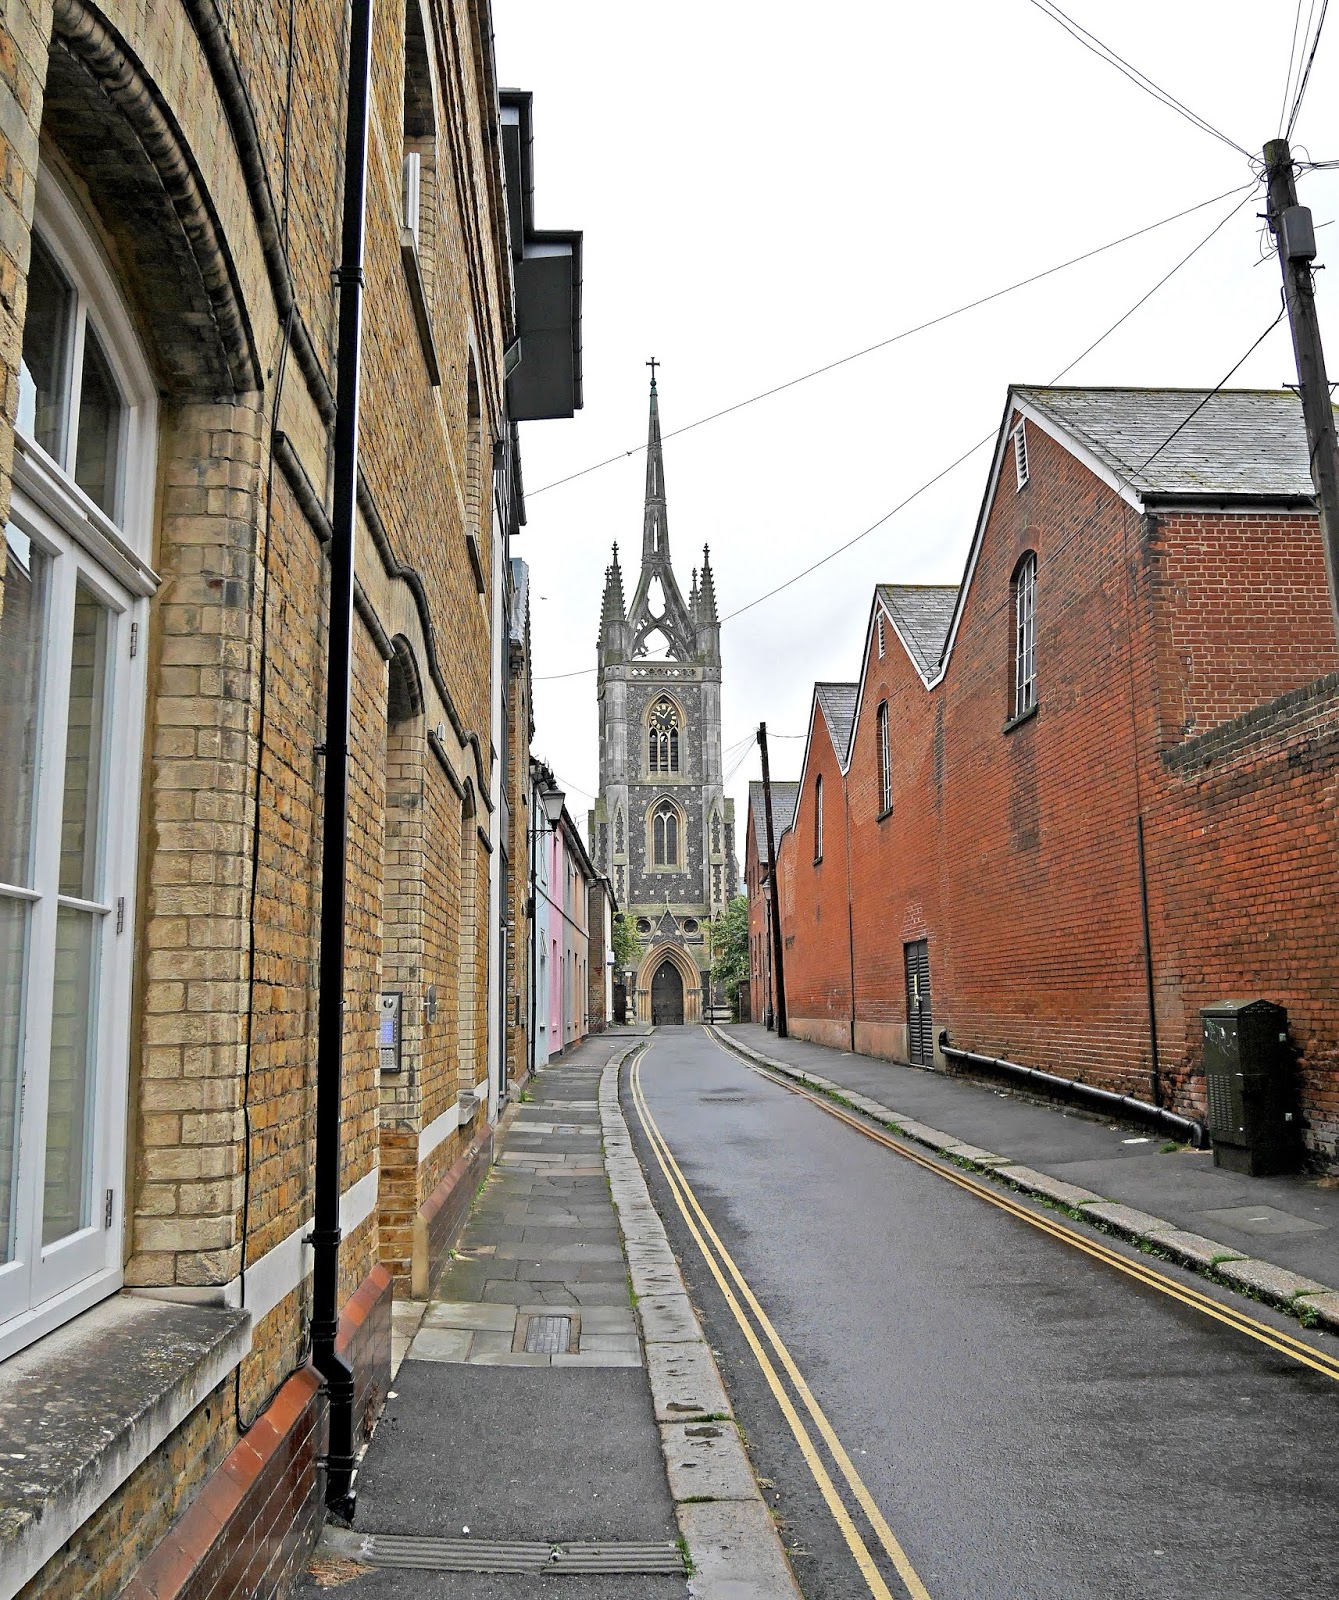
(172, 178)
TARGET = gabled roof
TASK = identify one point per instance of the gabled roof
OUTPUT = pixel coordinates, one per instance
(785, 796)
(1237, 442)
(837, 702)
(921, 614)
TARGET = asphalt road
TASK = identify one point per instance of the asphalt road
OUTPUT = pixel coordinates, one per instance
(1032, 1424)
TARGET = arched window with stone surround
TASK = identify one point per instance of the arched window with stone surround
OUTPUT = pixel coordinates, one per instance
(74, 603)
(666, 835)
(662, 736)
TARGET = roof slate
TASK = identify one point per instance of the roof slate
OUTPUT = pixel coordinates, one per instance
(923, 613)
(1249, 442)
(784, 799)
(837, 702)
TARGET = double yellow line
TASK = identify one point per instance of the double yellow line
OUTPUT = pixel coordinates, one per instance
(756, 1326)
(1296, 1349)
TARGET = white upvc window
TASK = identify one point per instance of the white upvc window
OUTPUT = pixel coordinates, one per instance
(1025, 635)
(818, 819)
(76, 581)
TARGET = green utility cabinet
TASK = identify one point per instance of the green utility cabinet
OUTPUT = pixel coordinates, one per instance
(1248, 1073)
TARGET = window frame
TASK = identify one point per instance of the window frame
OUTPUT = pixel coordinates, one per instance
(818, 818)
(1023, 652)
(45, 1285)
(670, 808)
(885, 753)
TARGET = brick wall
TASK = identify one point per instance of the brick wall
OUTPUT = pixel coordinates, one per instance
(1185, 674)
(222, 1092)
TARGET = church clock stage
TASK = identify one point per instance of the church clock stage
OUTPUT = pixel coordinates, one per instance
(662, 830)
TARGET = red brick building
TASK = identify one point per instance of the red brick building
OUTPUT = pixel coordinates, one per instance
(756, 862)
(1094, 788)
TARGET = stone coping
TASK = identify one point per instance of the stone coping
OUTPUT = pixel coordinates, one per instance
(85, 1406)
(1311, 1302)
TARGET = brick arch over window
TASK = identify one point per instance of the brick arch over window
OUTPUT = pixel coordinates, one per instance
(404, 690)
(114, 132)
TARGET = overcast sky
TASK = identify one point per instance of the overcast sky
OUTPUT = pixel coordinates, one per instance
(765, 189)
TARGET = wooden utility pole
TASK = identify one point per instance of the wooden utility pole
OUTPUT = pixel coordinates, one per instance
(1295, 237)
(779, 976)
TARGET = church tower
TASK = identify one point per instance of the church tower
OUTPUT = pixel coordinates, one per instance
(662, 829)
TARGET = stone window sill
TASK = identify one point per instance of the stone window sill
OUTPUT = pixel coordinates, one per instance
(884, 814)
(82, 1408)
(419, 300)
(1021, 718)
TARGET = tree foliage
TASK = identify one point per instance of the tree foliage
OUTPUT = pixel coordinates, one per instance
(731, 938)
(627, 951)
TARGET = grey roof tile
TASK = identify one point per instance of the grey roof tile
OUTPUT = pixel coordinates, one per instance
(922, 613)
(785, 796)
(1247, 442)
(837, 702)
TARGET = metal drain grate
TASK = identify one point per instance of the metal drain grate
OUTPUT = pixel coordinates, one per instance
(426, 1554)
(548, 1336)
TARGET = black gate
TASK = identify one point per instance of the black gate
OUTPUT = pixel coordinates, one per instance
(920, 1019)
(667, 996)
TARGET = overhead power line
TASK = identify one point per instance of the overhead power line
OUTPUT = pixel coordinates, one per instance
(1306, 75)
(895, 338)
(831, 555)
(1141, 80)
(1064, 372)
(1292, 60)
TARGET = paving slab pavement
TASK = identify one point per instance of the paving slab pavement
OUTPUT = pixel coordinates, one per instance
(1281, 1234)
(522, 1411)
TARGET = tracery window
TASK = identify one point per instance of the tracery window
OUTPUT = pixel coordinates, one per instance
(662, 738)
(665, 834)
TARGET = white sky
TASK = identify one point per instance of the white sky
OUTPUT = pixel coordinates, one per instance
(764, 189)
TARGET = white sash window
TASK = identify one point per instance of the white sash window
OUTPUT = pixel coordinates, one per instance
(73, 609)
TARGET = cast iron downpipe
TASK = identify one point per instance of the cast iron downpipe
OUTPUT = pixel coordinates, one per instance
(338, 1374)
(1086, 1094)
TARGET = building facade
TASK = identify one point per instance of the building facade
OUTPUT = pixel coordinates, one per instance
(1095, 787)
(757, 881)
(662, 830)
(171, 202)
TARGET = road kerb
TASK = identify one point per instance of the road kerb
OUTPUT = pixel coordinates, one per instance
(732, 1541)
(1303, 1298)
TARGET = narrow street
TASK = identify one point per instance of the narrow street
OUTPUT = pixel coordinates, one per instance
(1019, 1418)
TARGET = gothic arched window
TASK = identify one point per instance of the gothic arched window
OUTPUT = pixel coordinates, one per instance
(662, 738)
(665, 834)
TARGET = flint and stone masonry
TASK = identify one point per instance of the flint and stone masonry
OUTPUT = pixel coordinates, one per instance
(662, 830)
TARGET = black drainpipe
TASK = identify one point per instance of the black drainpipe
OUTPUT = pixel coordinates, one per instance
(1155, 1075)
(338, 1374)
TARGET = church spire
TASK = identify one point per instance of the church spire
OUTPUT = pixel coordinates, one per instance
(673, 623)
(655, 528)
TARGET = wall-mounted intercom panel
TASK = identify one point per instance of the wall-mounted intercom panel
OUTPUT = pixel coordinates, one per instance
(388, 1037)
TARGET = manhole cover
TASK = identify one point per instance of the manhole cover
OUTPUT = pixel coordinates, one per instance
(723, 1099)
(548, 1336)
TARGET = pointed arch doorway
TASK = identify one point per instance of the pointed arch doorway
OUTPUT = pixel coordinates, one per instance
(667, 996)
